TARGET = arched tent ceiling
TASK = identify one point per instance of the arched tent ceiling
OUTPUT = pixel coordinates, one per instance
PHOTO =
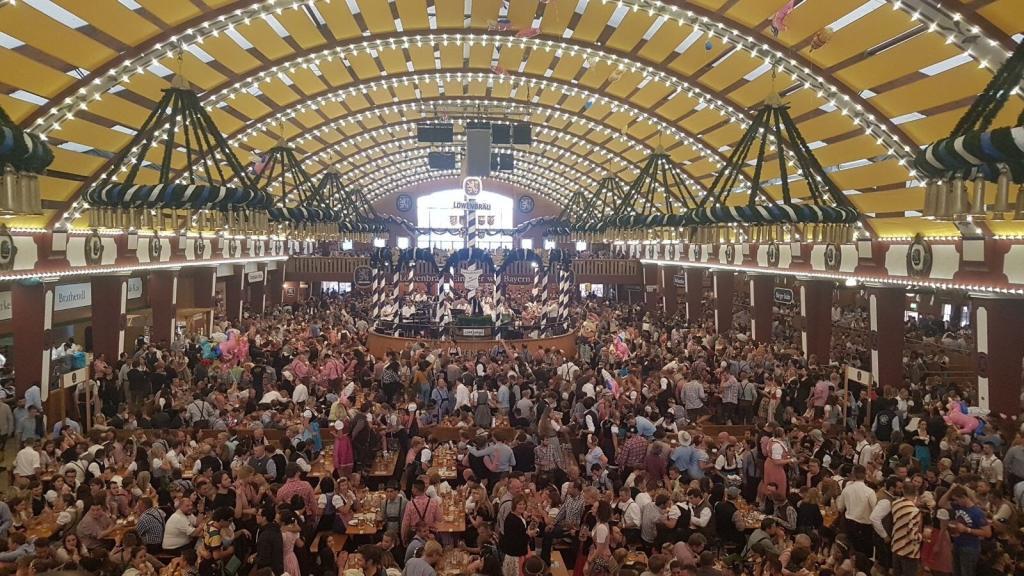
(609, 80)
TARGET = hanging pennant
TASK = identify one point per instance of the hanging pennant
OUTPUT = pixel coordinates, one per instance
(528, 33)
(259, 163)
(779, 19)
(500, 25)
(499, 70)
(821, 38)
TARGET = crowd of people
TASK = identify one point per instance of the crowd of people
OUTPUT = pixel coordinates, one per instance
(655, 447)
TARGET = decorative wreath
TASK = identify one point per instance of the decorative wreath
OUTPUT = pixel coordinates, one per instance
(919, 258)
(833, 257)
(8, 250)
(93, 249)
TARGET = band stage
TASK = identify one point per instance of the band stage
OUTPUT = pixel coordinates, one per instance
(379, 344)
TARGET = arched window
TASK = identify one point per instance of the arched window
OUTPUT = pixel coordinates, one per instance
(439, 213)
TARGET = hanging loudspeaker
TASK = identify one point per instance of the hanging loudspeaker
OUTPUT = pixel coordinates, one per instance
(941, 201)
(8, 191)
(958, 196)
(978, 198)
(1003, 192)
(931, 193)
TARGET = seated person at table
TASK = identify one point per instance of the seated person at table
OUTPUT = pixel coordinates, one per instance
(334, 505)
(150, 526)
(422, 534)
(393, 509)
(424, 563)
(182, 527)
(95, 526)
(16, 546)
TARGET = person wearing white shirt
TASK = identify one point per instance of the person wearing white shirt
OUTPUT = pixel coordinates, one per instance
(857, 502)
(349, 390)
(172, 457)
(181, 528)
(878, 514)
(864, 449)
(628, 509)
(990, 467)
(300, 394)
(461, 395)
(589, 390)
(568, 371)
(27, 462)
(78, 467)
(643, 498)
(271, 396)
(34, 397)
(700, 511)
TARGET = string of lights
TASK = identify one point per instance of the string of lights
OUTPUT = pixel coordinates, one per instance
(971, 39)
(889, 280)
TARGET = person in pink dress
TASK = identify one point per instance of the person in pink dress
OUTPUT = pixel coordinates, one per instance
(777, 458)
(343, 457)
(292, 538)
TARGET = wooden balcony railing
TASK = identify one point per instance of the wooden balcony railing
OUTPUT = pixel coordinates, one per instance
(611, 270)
(325, 264)
(602, 271)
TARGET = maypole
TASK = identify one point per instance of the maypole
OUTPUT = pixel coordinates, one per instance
(565, 287)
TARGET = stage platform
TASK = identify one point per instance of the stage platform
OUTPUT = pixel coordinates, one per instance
(379, 344)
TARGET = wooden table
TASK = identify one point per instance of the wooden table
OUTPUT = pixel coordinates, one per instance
(384, 465)
(365, 524)
(445, 462)
(751, 517)
(42, 526)
(323, 466)
(123, 526)
(368, 519)
(453, 514)
(455, 561)
(558, 567)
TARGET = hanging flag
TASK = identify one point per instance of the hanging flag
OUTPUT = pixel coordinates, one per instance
(779, 19)
(259, 164)
(499, 70)
(528, 33)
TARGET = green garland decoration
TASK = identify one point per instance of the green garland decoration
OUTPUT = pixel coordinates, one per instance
(24, 151)
(972, 148)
